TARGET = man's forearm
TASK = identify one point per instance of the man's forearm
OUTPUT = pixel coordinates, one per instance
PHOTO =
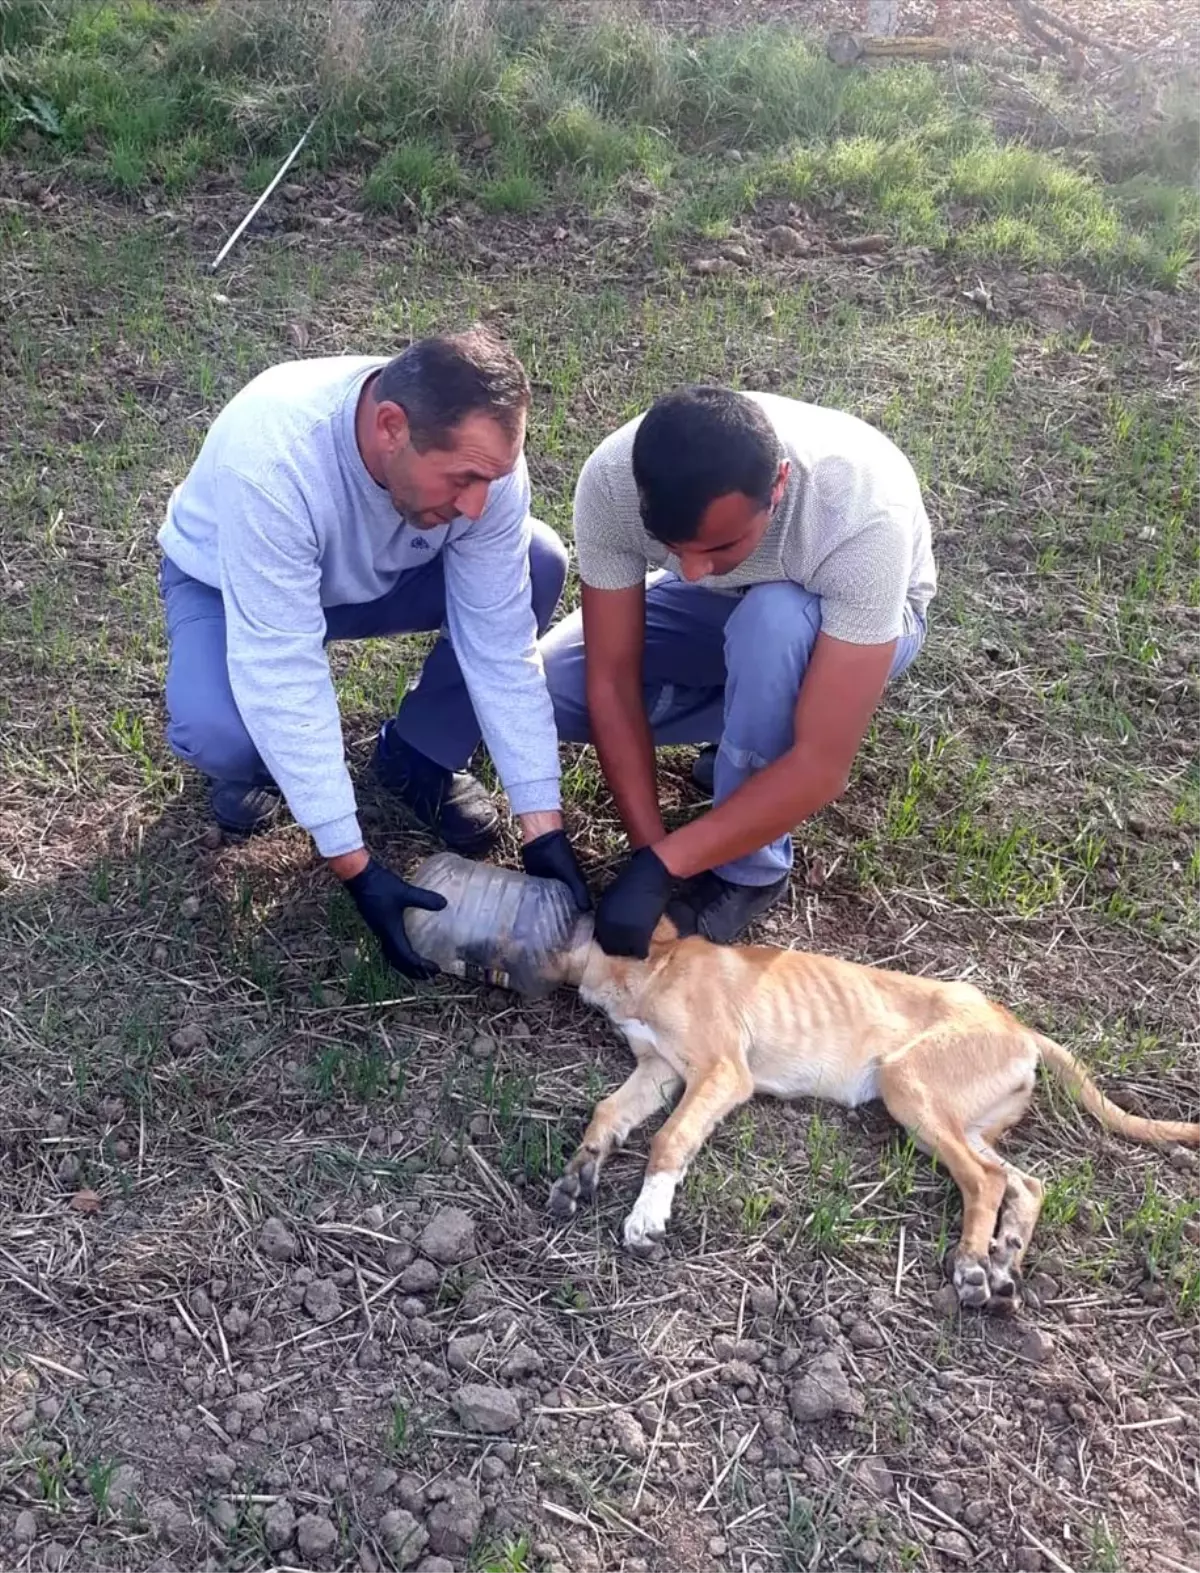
(347, 864)
(621, 733)
(766, 807)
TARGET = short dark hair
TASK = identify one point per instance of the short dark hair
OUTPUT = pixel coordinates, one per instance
(697, 444)
(439, 381)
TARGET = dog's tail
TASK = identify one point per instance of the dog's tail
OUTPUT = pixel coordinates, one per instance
(1073, 1074)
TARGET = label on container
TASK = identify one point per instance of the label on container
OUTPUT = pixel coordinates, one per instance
(472, 972)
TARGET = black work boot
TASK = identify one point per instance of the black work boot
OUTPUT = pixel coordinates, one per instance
(245, 808)
(724, 911)
(704, 768)
(450, 803)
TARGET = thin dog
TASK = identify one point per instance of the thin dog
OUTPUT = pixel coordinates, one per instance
(722, 1023)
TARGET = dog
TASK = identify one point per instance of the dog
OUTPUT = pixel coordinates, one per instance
(721, 1023)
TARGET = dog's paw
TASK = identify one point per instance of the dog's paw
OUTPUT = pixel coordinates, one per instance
(646, 1225)
(642, 1237)
(576, 1184)
(1004, 1275)
(971, 1282)
(564, 1196)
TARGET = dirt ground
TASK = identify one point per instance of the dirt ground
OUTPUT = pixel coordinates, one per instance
(278, 1289)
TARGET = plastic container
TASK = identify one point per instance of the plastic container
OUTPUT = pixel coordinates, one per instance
(499, 926)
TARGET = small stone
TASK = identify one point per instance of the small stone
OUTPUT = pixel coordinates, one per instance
(275, 1241)
(823, 1391)
(1036, 1345)
(463, 1352)
(763, 1300)
(948, 1497)
(322, 1302)
(875, 1478)
(868, 1553)
(410, 1494)
(369, 1356)
(454, 1522)
(449, 1237)
(975, 1513)
(191, 1038)
(315, 1536)
(69, 1169)
(522, 1361)
(279, 1525)
(865, 1335)
(825, 1326)
(26, 1527)
(373, 1217)
(403, 1537)
(420, 1277)
(236, 1322)
(718, 1546)
(169, 1521)
(784, 241)
(220, 1467)
(492, 1410)
(493, 1469)
(1029, 1560)
(55, 1556)
(123, 1486)
(630, 1437)
(436, 1565)
(952, 1544)
(224, 1515)
(483, 1047)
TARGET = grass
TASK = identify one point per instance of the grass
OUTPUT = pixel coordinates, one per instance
(513, 109)
(1025, 811)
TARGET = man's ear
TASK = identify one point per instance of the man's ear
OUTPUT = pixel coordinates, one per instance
(781, 480)
(391, 426)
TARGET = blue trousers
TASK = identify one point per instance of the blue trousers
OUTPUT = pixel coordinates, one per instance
(716, 667)
(436, 716)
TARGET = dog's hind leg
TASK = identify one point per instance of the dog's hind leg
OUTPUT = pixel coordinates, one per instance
(958, 1091)
(932, 1121)
(652, 1086)
(727, 1084)
(1018, 1218)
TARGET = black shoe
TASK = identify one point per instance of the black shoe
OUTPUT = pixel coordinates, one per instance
(450, 803)
(245, 808)
(704, 768)
(724, 911)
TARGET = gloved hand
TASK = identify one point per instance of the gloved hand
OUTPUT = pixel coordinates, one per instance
(381, 898)
(551, 857)
(632, 905)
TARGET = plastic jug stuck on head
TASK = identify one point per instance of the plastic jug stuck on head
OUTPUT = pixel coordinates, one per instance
(499, 926)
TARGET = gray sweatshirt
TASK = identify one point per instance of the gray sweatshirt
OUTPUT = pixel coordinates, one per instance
(280, 514)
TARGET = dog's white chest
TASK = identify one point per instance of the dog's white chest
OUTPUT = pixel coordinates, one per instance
(638, 1034)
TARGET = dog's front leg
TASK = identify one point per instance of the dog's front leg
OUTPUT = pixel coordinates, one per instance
(706, 1102)
(652, 1086)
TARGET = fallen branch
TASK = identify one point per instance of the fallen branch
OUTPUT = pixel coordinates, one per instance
(847, 49)
(1033, 14)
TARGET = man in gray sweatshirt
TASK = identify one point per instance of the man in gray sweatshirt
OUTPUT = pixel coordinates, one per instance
(352, 498)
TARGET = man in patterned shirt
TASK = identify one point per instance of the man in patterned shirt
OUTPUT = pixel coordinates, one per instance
(790, 571)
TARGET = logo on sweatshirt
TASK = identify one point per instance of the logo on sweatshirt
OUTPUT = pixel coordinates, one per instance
(419, 544)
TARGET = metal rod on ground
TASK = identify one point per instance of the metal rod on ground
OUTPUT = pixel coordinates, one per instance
(280, 173)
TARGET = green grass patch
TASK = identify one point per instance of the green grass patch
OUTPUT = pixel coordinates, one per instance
(517, 109)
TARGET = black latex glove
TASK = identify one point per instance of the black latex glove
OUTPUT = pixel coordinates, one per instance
(632, 905)
(551, 857)
(381, 898)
